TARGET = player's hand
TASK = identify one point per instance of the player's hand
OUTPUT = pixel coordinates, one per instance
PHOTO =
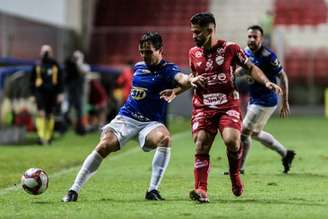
(273, 87)
(168, 95)
(198, 81)
(284, 111)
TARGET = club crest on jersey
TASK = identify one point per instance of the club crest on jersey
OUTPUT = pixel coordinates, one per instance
(198, 54)
(138, 93)
(219, 60)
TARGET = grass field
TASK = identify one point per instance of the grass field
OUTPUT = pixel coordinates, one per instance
(118, 188)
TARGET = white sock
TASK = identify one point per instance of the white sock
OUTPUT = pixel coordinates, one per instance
(270, 142)
(160, 162)
(88, 169)
(246, 144)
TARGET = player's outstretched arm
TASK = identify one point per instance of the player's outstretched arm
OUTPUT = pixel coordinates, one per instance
(184, 83)
(284, 111)
(260, 77)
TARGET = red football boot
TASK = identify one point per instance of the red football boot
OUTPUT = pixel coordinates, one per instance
(199, 195)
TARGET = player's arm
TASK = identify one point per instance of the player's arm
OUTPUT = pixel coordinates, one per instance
(257, 74)
(184, 82)
(284, 111)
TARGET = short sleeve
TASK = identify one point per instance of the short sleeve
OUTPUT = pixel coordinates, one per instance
(172, 70)
(238, 54)
(191, 63)
(275, 64)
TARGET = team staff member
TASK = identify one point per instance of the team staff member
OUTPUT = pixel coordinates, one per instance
(47, 88)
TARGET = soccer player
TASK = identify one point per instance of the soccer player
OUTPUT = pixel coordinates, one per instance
(142, 115)
(263, 102)
(215, 101)
(47, 88)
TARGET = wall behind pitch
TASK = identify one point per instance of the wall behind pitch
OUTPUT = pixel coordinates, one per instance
(61, 13)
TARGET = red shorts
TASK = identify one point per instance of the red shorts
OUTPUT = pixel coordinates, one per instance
(212, 120)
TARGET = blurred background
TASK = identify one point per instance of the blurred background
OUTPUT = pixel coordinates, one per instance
(107, 33)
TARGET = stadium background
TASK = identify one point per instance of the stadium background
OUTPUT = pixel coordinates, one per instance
(108, 33)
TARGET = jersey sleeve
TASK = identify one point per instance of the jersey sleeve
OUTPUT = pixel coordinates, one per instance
(238, 54)
(172, 71)
(275, 64)
(191, 63)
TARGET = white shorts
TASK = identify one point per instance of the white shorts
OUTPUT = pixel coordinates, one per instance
(257, 117)
(126, 128)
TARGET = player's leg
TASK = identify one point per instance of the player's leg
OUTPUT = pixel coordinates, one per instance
(230, 126)
(40, 120)
(50, 108)
(252, 122)
(156, 136)
(203, 141)
(231, 138)
(114, 136)
(271, 142)
(266, 139)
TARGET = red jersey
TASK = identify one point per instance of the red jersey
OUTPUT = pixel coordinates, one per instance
(217, 66)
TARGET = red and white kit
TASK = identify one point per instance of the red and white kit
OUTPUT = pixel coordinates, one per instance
(217, 105)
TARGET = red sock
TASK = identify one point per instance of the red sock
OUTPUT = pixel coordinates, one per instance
(234, 158)
(201, 169)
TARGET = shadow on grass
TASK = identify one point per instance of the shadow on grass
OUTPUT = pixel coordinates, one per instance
(292, 175)
(293, 201)
(44, 202)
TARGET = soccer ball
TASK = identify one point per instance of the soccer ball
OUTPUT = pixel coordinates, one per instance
(35, 181)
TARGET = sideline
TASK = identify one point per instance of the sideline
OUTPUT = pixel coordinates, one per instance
(16, 187)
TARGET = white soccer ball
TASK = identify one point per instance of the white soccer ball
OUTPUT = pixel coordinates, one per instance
(35, 181)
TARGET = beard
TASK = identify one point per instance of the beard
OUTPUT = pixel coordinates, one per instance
(252, 46)
(199, 42)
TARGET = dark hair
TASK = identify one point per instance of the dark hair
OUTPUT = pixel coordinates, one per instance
(256, 27)
(203, 19)
(154, 38)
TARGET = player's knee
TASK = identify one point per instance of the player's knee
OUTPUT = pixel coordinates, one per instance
(107, 145)
(232, 143)
(202, 148)
(164, 140)
(246, 132)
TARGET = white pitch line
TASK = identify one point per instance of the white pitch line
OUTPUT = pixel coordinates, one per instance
(75, 168)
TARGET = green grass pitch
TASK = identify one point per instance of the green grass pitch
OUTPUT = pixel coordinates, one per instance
(118, 188)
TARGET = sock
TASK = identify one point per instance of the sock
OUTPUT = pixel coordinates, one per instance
(50, 124)
(201, 170)
(246, 144)
(160, 162)
(234, 158)
(40, 127)
(270, 142)
(88, 169)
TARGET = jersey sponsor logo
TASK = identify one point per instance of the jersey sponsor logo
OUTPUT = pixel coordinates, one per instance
(276, 63)
(138, 93)
(220, 78)
(233, 113)
(198, 54)
(141, 72)
(220, 51)
(214, 99)
(219, 60)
